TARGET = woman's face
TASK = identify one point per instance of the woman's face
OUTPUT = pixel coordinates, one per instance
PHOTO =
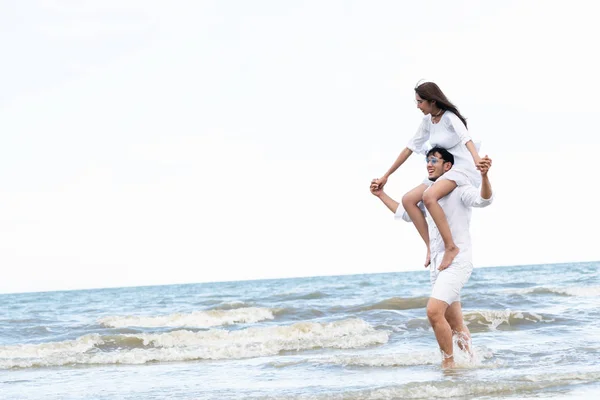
(424, 105)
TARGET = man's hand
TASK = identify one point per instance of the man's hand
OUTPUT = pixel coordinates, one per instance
(484, 165)
(377, 191)
(375, 188)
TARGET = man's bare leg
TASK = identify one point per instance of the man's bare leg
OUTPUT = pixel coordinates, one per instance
(455, 319)
(436, 310)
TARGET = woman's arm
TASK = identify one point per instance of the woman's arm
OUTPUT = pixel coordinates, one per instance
(471, 147)
(402, 157)
(463, 134)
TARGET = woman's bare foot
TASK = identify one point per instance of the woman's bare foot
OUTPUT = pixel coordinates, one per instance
(449, 255)
(448, 363)
(428, 258)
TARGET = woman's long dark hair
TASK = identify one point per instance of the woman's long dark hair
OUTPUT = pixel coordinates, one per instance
(431, 92)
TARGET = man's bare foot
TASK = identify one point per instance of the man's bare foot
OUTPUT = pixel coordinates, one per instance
(428, 259)
(464, 343)
(449, 255)
(464, 346)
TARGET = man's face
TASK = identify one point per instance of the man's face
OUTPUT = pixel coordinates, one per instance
(436, 166)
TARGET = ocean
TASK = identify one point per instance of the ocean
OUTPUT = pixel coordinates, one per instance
(535, 332)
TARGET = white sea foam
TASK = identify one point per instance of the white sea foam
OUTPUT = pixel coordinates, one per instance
(185, 345)
(348, 333)
(452, 389)
(198, 319)
(462, 359)
(52, 349)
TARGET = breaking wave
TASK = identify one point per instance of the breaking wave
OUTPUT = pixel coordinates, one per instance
(398, 303)
(492, 319)
(197, 319)
(582, 291)
(185, 345)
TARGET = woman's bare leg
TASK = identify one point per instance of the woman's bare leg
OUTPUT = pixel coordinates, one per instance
(430, 198)
(410, 203)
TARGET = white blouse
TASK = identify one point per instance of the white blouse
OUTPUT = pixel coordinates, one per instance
(451, 134)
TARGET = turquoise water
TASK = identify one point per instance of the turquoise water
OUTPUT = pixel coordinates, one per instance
(535, 333)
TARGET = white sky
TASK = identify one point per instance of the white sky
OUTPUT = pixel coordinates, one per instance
(152, 142)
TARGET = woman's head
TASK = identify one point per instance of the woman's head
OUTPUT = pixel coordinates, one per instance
(429, 95)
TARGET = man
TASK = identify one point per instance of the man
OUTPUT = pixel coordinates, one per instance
(443, 308)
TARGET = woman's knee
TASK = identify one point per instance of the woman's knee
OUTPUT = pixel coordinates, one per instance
(429, 197)
(438, 190)
(411, 199)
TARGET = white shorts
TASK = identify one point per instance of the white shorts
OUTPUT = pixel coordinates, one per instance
(447, 284)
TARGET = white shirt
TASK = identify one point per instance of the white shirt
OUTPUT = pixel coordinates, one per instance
(451, 134)
(457, 207)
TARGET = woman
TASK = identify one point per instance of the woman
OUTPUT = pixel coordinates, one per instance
(443, 126)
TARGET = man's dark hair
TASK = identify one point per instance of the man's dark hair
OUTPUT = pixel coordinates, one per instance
(446, 155)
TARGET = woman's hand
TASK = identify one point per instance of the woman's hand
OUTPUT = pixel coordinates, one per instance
(381, 182)
(478, 163)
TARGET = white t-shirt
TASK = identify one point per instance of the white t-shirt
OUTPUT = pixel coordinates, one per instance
(457, 207)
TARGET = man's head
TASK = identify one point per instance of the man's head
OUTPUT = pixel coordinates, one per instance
(439, 161)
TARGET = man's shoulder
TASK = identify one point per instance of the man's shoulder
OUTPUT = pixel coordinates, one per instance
(462, 189)
(465, 191)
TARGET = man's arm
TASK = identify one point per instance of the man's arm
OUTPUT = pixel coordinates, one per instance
(486, 188)
(484, 197)
(391, 204)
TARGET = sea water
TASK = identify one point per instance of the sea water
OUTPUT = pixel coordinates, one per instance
(535, 333)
